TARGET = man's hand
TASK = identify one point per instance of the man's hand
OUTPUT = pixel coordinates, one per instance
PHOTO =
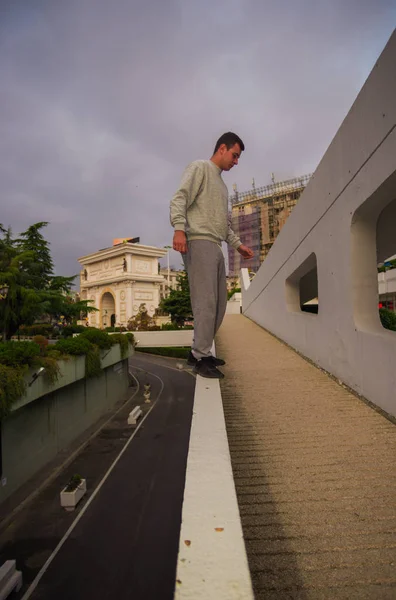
(180, 241)
(245, 252)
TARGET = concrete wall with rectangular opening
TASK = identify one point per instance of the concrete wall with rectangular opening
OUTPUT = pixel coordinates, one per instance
(349, 199)
(302, 285)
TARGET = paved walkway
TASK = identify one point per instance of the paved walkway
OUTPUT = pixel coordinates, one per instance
(315, 474)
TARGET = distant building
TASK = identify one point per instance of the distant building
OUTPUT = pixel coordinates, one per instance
(165, 287)
(258, 215)
(119, 279)
(387, 285)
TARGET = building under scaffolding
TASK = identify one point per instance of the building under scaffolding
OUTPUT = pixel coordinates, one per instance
(258, 215)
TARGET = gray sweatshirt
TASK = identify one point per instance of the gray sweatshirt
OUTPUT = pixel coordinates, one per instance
(200, 205)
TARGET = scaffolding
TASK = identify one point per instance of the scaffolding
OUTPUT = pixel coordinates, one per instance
(258, 215)
(268, 191)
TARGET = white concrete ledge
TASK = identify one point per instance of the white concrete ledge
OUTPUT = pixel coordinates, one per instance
(154, 339)
(212, 562)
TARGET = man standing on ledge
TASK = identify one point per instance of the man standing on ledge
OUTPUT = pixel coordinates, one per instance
(199, 215)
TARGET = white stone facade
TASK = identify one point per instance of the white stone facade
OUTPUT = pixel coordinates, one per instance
(118, 280)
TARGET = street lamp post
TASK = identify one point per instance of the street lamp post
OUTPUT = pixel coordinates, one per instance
(3, 295)
(168, 248)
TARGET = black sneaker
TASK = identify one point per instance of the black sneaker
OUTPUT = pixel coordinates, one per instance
(206, 368)
(191, 360)
(217, 362)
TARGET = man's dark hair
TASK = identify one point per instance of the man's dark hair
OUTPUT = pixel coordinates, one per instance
(229, 139)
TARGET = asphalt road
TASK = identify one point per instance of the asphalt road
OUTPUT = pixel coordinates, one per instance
(125, 542)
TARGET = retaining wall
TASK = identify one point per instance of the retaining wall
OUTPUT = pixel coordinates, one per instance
(49, 417)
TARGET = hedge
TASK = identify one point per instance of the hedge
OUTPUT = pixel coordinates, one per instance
(175, 327)
(15, 354)
(167, 351)
(68, 330)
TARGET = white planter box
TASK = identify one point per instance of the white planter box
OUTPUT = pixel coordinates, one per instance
(69, 500)
(134, 415)
(10, 579)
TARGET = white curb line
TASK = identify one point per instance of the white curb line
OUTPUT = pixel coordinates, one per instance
(212, 562)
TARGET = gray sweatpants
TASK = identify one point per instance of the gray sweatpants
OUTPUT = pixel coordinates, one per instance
(205, 268)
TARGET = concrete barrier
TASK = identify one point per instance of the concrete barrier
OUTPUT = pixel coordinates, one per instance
(342, 226)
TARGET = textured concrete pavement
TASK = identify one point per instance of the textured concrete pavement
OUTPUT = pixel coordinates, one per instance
(315, 474)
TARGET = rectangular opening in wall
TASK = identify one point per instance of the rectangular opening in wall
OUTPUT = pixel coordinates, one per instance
(373, 260)
(386, 266)
(309, 301)
(302, 290)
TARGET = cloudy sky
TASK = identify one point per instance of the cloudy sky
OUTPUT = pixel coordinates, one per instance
(102, 104)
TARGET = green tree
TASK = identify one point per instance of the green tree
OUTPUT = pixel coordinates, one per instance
(69, 308)
(178, 303)
(33, 291)
(142, 321)
(41, 266)
(19, 298)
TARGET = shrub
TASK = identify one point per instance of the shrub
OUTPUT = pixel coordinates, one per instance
(93, 368)
(97, 337)
(68, 330)
(74, 346)
(51, 367)
(89, 343)
(53, 353)
(12, 387)
(388, 319)
(120, 338)
(131, 338)
(74, 482)
(42, 342)
(44, 329)
(232, 292)
(15, 354)
(169, 327)
(80, 346)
